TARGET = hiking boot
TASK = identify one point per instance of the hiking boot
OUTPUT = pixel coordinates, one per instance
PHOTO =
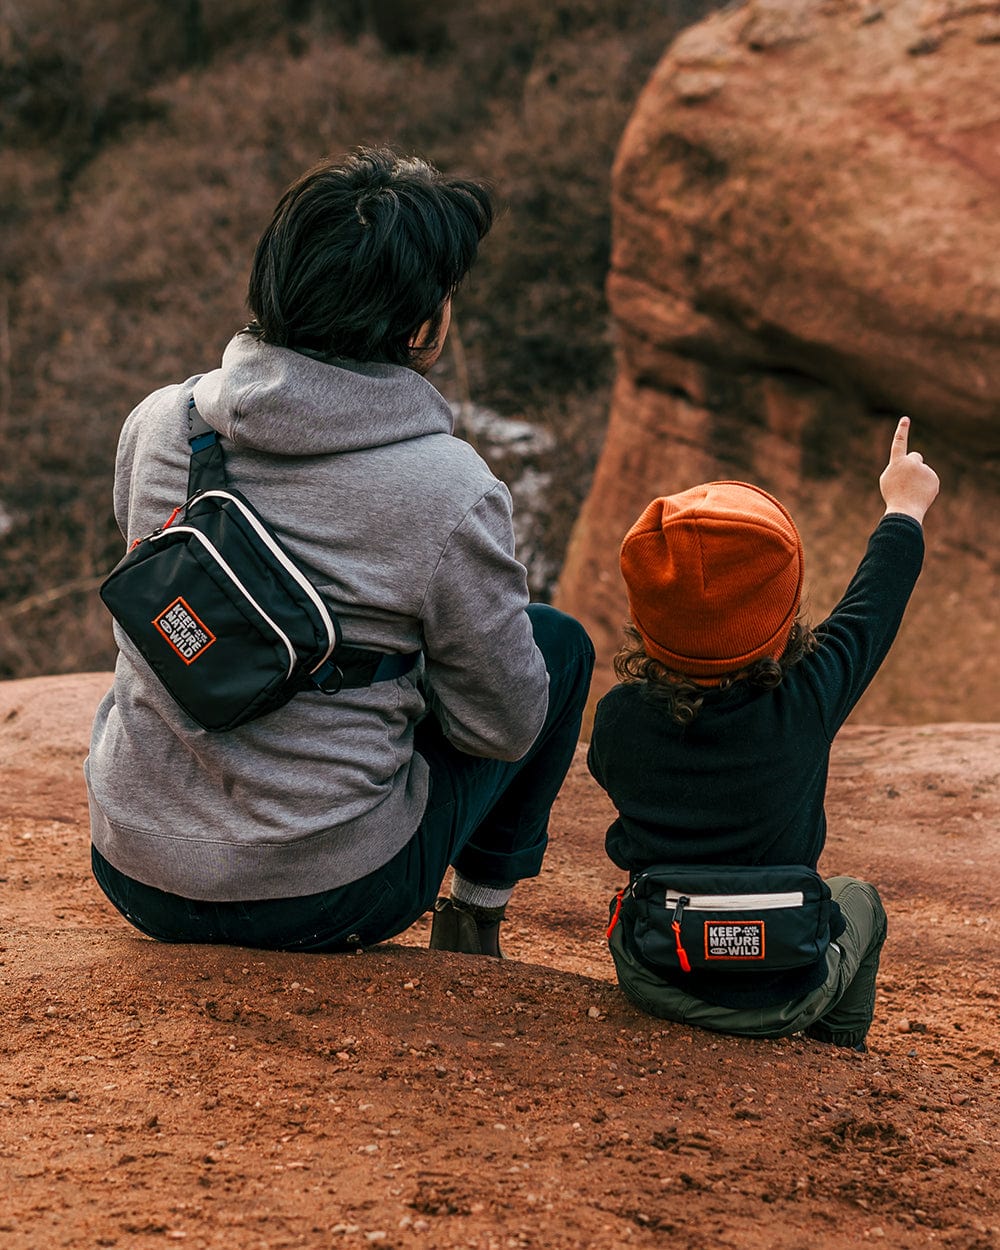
(817, 1033)
(458, 928)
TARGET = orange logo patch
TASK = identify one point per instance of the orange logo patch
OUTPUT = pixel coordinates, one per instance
(189, 636)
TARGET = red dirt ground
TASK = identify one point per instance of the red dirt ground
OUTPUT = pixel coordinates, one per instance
(217, 1097)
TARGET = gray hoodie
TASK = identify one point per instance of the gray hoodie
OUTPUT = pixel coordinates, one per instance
(409, 537)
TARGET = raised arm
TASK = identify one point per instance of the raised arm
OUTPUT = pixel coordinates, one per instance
(856, 637)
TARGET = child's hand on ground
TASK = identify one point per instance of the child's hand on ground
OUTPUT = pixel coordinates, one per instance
(907, 484)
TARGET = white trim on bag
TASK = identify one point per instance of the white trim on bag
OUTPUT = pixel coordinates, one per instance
(289, 566)
(734, 902)
(221, 561)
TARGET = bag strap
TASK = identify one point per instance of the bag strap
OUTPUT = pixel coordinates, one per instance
(207, 470)
(352, 668)
(349, 668)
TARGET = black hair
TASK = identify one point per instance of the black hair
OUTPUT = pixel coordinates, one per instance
(361, 253)
(681, 697)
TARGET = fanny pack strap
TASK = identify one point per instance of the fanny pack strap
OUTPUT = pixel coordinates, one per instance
(350, 668)
(207, 470)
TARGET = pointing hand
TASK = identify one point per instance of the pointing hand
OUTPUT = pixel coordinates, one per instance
(907, 484)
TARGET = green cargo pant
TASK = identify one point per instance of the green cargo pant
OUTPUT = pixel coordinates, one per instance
(839, 1011)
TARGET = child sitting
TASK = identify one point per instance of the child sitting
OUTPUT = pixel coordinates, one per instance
(715, 747)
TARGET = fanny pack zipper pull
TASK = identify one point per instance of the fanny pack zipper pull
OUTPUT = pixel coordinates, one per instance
(618, 911)
(166, 525)
(675, 924)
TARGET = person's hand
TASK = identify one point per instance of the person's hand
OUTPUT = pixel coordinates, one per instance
(907, 484)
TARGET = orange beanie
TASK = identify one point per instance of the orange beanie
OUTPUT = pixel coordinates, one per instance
(714, 578)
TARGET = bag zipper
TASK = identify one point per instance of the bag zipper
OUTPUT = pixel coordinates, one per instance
(734, 902)
(287, 564)
(675, 924)
(220, 560)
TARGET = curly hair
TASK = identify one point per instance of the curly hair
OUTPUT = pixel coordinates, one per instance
(680, 697)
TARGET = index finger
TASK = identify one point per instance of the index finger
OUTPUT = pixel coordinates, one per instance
(899, 440)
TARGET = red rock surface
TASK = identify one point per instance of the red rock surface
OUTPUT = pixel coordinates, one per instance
(807, 246)
(153, 1096)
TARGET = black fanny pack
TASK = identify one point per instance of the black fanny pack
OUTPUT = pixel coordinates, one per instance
(221, 612)
(702, 918)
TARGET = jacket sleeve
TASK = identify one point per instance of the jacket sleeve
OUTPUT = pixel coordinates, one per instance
(141, 436)
(487, 681)
(856, 637)
(124, 469)
(595, 749)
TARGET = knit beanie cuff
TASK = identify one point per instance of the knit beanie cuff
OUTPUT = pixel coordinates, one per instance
(714, 578)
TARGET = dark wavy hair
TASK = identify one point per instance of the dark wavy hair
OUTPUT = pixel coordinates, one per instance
(679, 696)
(361, 253)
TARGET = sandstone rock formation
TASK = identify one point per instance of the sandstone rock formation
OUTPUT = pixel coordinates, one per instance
(807, 245)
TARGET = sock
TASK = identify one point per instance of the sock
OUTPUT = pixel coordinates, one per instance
(486, 902)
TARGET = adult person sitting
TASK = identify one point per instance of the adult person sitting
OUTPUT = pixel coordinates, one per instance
(330, 823)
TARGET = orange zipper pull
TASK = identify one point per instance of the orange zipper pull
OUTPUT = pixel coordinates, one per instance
(675, 924)
(618, 911)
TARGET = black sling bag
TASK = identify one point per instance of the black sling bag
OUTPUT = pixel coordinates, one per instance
(221, 612)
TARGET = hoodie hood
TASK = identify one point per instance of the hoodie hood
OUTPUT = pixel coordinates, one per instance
(280, 401)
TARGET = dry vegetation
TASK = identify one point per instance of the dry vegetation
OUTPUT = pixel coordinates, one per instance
(146, 142)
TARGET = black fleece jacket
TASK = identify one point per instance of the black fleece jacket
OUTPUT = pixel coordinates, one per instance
(745, 782)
